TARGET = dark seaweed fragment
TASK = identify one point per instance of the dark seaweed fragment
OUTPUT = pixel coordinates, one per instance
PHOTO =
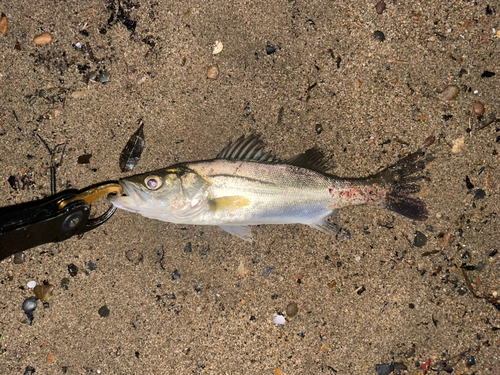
(132, 152)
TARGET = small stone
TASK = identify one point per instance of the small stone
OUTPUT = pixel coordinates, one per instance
(450, 93)
(30, 370)
(458, 144)
(176, 275)
(19, 258)
(380, 7)
(4, 28)
(79, 94)
(188, 248)
(318, 128)
(104, 311)
(267, 271)
(31, 284)
(42, 39)
(91, 265)
(73, 270)
(478, 108)
(384, 369)
(429, 141)
(479, 194)
(419, 239)
(65, 283)
(217, 48)
(171, 296)
(43, 292)
(487, 74)
(29, 305)
(213, 72)
(243, 271)
(292, 309)
(271, 49)
(446, 239)
(379, 35)
(103, 77)
(470, 361)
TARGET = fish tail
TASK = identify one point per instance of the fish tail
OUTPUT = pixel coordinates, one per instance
(401, 182)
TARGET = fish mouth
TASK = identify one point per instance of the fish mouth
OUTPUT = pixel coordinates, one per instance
(133, 197)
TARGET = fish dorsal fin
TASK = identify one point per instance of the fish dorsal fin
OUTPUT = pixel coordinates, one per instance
(249, 148)
(311, 159)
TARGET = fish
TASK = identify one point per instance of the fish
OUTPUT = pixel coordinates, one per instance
(244, 185)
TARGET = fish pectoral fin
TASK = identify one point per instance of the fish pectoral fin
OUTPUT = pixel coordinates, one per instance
(325, 226)
(242, 231)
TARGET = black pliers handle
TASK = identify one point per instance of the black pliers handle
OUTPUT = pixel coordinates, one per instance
(53, 219)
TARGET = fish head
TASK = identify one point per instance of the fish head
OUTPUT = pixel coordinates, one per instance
(150, 194)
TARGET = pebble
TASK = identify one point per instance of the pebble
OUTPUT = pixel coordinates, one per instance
(379, 35)
(242, 269)
(73, 270)
(217, 48)
(318, 128)
(470, 361)
(213, 72)
(4, 28)
(384, 369)
(79, 94)
(188, 248)
(419, 239)
(30, 370)
(446, 239)
(42, 39)
(29, 306)
(91, 265)
(43, 292)
(479, 194)
(19, 258)
(31, 284)
(292, 309)
(176, 275)
(380, 7)
(267, 271)
(450, 93)
(478, 108)
(103, 77)
(458, 144)
(104, 311)
(271, 49)
(65, 283)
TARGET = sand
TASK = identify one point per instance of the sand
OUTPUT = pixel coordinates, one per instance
(373, 298)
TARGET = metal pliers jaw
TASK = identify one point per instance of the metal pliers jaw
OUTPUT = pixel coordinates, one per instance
(53, 219)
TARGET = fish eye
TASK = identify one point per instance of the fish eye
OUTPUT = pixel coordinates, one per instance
(153, 182)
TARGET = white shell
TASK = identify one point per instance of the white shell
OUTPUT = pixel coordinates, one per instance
(217, 48)
(279, 319)
(31, 284)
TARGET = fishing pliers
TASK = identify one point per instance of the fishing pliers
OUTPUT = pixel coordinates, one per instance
(52, 219)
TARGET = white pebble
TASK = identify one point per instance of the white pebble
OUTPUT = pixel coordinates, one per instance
(31, 284)
(358, 258)
(279, 319)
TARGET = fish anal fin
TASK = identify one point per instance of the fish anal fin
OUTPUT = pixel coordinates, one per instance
(228, 203)
(249, 148)
(242, 231)
(311, 159)
(326, 226)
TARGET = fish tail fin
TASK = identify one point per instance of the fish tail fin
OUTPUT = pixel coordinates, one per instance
(401, 181)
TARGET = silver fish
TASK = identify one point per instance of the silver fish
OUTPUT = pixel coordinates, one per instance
(245, 186)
